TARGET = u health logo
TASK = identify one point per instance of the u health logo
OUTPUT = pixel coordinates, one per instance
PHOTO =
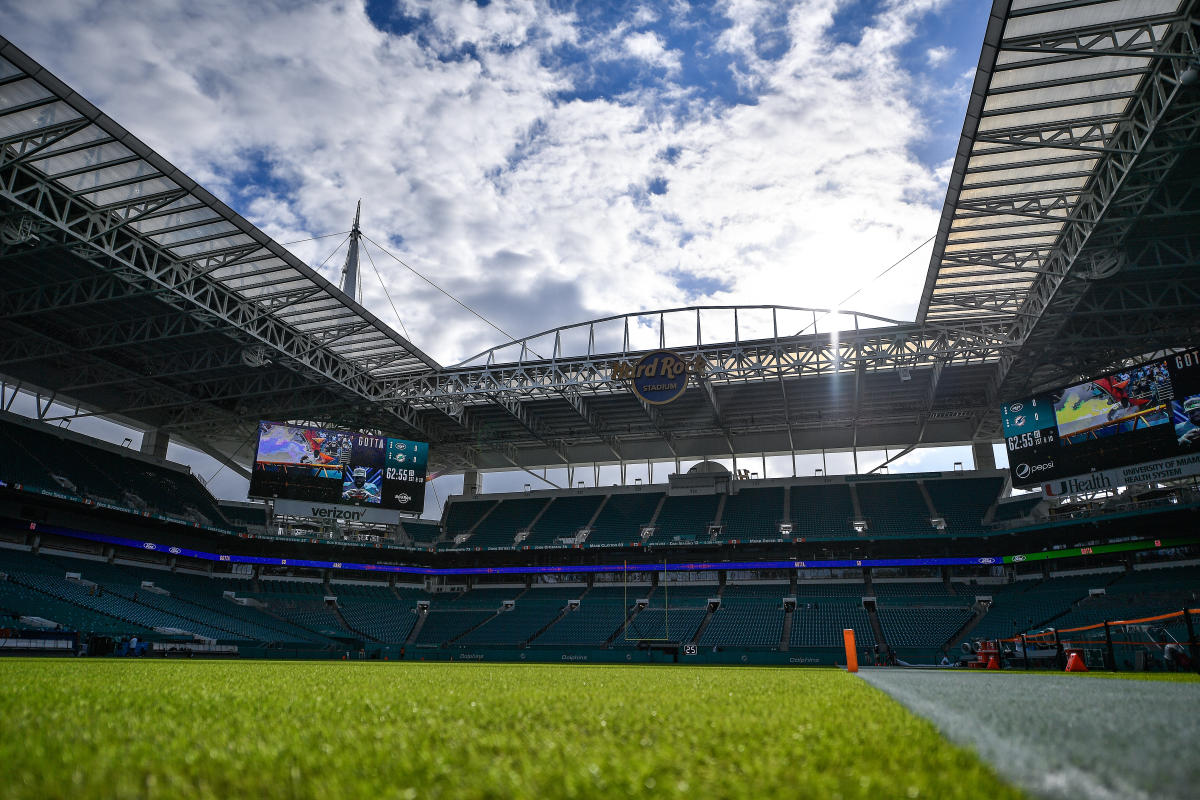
(659, 377)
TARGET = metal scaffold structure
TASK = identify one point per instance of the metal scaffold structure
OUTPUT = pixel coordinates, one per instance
(1068, 243)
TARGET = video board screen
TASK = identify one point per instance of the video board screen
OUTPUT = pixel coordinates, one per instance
(322, 465)
(1141, 414)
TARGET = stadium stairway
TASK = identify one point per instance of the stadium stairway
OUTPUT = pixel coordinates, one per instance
(472, 629)
(630, 613)
(876, 627)
(929, 506)
(965, 631)
(562, 613)
(416, 629)
(789, 615)
(707, 618)
(337, 612)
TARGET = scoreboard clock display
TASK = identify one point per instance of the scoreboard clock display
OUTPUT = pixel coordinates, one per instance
(324, 465)
(1139, 414)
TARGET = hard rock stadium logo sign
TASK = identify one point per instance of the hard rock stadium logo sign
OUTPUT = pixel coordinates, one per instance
(659, 377)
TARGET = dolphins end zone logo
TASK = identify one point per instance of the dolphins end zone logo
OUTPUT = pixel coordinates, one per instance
(659, 377)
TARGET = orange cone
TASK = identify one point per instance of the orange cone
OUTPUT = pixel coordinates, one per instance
(1075, 663)
(993, 663)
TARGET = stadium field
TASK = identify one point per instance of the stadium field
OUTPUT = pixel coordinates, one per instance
(108, 728)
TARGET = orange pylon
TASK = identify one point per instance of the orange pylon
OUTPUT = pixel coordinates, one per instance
(1075, 663)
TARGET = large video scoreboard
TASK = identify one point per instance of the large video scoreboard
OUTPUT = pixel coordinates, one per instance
(1147, 414)
(321, 465)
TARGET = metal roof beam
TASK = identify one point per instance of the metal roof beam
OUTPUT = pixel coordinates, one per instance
(155, 269)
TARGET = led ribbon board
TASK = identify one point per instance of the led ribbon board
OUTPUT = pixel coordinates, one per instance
(692, 566)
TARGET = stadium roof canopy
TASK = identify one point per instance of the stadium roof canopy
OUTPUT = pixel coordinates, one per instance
(1071, 215)
(131, 289)
(1069, 242)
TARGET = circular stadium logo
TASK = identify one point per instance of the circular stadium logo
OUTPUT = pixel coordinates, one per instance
(1022, 470)
(660, 377)
(404, 497)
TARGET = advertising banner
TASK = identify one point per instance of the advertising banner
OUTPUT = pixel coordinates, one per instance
(332, 511)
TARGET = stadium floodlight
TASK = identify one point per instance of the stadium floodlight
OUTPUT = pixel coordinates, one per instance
(256, 356)
(1190, 75)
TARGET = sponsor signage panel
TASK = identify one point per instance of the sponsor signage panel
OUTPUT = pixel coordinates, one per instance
(1166, 469)
(660, 377)
(331, 511)
(1147, 415)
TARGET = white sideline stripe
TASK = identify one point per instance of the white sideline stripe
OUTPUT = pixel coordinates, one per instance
(1063, 737)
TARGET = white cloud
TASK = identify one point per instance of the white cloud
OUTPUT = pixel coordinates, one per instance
(649, 47)
(474, 169)
(936, 56)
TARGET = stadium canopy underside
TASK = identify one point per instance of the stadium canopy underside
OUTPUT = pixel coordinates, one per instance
(1069, 242)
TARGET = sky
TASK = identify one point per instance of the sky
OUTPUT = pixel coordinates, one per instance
(550, 163)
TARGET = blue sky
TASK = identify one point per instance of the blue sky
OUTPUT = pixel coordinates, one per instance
(552, 162)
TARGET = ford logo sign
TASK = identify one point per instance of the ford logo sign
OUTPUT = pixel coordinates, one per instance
(1016, 407)
(987, 561)
(149, 545)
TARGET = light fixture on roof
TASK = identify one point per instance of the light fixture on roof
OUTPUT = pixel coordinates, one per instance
(256, 356)
(1190, 75)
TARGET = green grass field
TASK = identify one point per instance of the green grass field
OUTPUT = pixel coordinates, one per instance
(108, 728)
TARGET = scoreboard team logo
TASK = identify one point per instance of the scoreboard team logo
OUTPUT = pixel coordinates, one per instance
(659, 377)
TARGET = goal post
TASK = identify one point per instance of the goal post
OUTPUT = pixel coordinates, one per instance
(651, 623)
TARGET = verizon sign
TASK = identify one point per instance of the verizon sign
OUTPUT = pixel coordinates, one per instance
(331, 511)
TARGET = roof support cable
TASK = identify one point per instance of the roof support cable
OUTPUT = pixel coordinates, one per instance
(396, 258)
(386, 293)
(314, 238)
(865, 286)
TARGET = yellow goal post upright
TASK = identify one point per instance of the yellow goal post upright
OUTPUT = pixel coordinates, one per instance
(636, 629)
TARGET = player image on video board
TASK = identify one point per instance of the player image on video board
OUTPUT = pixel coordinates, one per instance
(1119, 403)
(1186, 416)
(329, 466)
(363, 476)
